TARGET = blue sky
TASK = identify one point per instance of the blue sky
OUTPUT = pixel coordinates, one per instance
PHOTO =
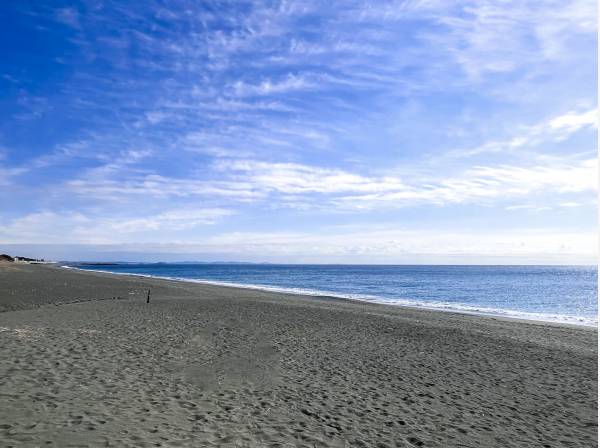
(309, 131)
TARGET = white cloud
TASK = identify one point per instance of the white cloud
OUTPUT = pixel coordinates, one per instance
(68, 16)
(40, 227)
(296, 178)
(172, 220)
(557, 128)
(494, 183)
(117, 164)
(157, 186)
(474, 185)
(573, 121)
(156, 116)
(559, 24)
(295, 185)
(6, 174)
(488, 36)
(570, 204)
(535, 208)
(289, 83)
(75, 228)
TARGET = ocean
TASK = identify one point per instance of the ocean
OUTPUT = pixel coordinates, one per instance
(567, 294)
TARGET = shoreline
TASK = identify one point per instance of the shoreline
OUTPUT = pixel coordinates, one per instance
(511, 315)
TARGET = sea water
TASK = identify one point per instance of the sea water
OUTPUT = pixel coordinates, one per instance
(548, 293)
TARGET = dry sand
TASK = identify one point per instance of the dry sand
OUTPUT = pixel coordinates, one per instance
(213, 366)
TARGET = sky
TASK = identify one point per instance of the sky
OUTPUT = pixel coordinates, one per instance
(299, 131)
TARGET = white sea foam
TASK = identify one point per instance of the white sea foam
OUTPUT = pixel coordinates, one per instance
(430, 305)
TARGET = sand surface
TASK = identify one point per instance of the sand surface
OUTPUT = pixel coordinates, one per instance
(224, 367)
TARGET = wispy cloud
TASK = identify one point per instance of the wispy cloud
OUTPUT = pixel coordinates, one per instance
(172, 220)
(484, 184)
(296, 178)
(293, 184)
(289, 83)
(133, 115)
(502, 37)
(7, 174)
(573, 121)
(68, 16)
(156, 186)
(70, 227)
(535, 208)
(556, 128)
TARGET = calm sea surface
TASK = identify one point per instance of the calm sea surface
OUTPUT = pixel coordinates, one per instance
(549, 293)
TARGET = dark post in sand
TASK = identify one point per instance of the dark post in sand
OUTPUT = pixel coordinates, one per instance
(148, 297)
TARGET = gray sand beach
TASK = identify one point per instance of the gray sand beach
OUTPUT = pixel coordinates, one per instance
(84, 361)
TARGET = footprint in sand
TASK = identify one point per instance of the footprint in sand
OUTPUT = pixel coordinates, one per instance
(231, 358)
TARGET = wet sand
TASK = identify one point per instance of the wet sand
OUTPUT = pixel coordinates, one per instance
(84, 361)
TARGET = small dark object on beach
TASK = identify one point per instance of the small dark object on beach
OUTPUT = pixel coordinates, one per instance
(148, 297)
